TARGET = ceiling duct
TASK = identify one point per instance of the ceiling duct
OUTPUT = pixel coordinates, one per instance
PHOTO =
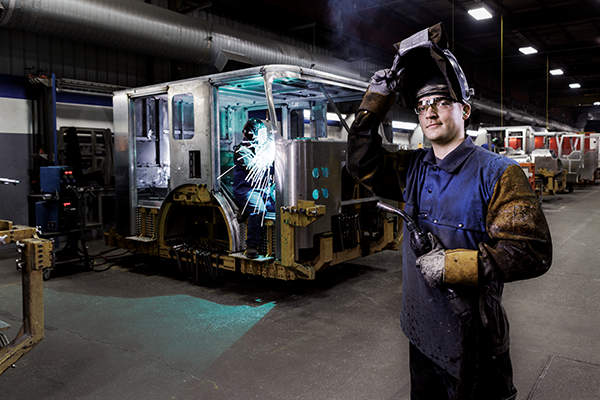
(135, 26)
(494, 109)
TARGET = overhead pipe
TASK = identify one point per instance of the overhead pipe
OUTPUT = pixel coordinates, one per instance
(135, 26)
(493, 109)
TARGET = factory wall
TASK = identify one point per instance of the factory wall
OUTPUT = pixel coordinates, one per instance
(15, 133)
(17, 114)
(24, 53)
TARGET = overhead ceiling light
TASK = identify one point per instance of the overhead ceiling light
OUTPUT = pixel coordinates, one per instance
(528, 50)
(597, 103)
(556, 71)
(574, 85)
(480, 13)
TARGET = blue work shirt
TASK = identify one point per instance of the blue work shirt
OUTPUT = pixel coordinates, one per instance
(482, 208)
(448, 198)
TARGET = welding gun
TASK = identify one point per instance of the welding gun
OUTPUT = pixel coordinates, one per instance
(419, 241)
(421, 245)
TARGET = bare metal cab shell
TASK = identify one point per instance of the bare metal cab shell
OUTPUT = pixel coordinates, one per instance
(173, 152)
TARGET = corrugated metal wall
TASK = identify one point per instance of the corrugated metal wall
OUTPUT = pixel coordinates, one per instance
(22, 53)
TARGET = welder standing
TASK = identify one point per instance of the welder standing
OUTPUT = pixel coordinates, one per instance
(253, 180)
(485, 223)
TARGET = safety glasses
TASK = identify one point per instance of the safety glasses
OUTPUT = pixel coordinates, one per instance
(438, 104)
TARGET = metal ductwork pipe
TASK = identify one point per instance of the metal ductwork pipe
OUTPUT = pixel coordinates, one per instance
(494, 109)
(135, 26)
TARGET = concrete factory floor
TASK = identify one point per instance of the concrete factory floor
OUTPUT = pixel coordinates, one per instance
(140, 331)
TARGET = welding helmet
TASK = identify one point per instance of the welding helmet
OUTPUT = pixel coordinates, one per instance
(252, 128)
(423, 56)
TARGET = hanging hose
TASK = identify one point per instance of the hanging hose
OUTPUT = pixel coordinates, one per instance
(212, 271)
(195, 262)
(209, 266)
(106, 259)
(197, 280)
(188, 260)
(175, 250)
(217, 266)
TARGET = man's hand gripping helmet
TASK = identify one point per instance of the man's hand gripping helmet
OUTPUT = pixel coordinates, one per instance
(422, 56)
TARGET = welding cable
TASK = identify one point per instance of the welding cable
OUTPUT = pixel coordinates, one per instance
(208, 265)
(170, 251)
(184, 260)
(213, 271)
(191, 256)
(180, 256)
(188, 259)
(217, 266)
(102, 255)
(177, 258)
(359, 239)
(197, 252)
(179, 263)
(204, 265)
(103, 269)
(181, 253)
(201, 274)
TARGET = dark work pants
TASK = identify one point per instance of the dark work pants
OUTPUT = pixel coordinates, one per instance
(258, 203)
(427, 380)
(430, 382)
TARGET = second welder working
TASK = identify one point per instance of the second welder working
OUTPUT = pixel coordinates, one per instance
(253, 180)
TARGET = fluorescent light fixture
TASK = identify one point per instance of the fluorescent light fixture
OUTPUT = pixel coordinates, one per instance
(334, 117)
(556, 71)
(403, 125)
(574, 85)
(480, 13)
(597, 103)
(330, 116)
(528, 50)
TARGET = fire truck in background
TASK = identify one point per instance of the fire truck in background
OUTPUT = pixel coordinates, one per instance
(554, 161)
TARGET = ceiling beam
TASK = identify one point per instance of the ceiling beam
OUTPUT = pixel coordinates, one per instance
(584, 11)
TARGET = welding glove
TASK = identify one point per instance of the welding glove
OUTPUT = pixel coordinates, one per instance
(381, 93)
(432, 264)
(384, 82)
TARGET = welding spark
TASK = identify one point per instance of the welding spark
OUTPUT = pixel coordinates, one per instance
(225, 173)
(260, 174)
